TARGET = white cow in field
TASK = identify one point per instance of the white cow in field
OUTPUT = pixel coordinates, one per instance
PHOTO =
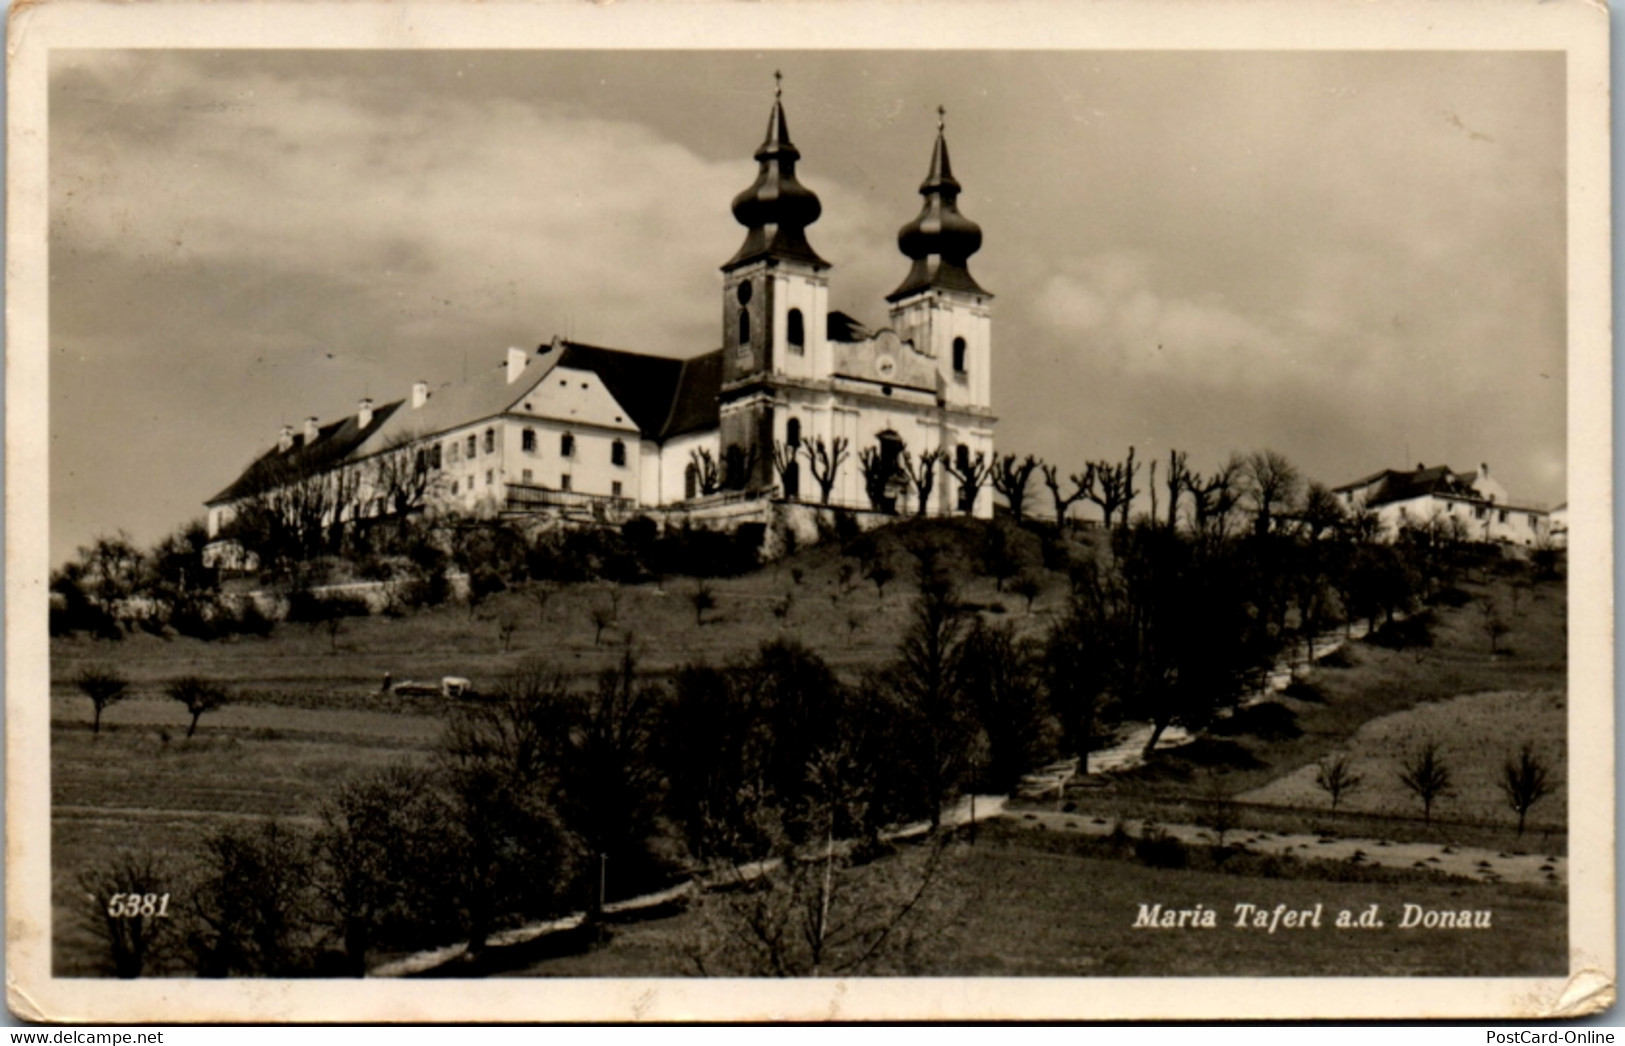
(455, 686)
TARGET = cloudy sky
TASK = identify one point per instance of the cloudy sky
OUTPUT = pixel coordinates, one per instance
(1356, 259)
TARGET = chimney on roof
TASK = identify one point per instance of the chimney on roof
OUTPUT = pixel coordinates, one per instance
(284, 442)
(311, 429)
(516, 363)
(1483, 471)
(363, 413)
(420, 394)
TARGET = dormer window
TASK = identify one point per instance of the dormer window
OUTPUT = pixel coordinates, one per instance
(959, 355)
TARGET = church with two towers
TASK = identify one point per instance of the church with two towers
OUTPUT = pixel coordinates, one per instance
(799, 404)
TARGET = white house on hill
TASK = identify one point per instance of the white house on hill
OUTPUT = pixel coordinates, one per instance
(580, 430)
(1474, 500)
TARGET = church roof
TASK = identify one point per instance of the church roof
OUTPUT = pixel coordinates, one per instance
(695, 406)
(663, 396)
(334, 442)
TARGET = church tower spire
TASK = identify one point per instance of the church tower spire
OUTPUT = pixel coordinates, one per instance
(777, 208)
(940, 240)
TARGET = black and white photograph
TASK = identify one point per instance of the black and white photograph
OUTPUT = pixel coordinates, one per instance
(943, 511)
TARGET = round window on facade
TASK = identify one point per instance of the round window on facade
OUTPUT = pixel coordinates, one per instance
(744, 293)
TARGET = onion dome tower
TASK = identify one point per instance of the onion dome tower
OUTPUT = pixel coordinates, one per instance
(775, 295)
(777, 208)
(940, 240)
(944, 314)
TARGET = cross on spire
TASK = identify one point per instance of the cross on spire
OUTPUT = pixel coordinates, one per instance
(942, 118)
(778, 84)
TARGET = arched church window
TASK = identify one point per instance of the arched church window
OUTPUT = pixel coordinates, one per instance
(796, 333)
(617, 453)
(743, 293)
(744, 328)
(962, 458)
(959, 355)
(792, 432)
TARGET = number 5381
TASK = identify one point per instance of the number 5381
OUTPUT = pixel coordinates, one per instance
(138, 905)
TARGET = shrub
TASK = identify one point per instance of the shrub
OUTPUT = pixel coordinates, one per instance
(1269, 720)
(1155, 848)
(1414, 631)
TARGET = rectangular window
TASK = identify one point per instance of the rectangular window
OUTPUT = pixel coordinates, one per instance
(615, 489)
(434, 456)
(490, 477)
(456, 452)
(617, 453)
(527, 441)
(473, 446)
(454, 486)
(490, 441)
(1503, 515)
(525, 475)
(564, 481)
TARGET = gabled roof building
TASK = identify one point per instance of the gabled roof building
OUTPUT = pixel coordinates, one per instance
(576, 429)
(1472, 501)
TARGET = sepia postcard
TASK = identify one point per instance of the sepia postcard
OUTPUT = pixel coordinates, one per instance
(808, 511)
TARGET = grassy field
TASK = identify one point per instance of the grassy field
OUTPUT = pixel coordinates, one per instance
(852, 625)
(1480, 706)
(1044, 909)
(310, 712)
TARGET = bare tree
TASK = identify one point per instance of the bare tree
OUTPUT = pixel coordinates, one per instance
(602, 618)
(1112, 488)
(877, 478)
(1177, 471)
(784, 464)
(1426, 775)
(1272, 484)
(539, 592)
(131, 903)
(707, 473)
(1335, 776)
(1214, 498)
(104, 686)
(1525, 780)
(1064, 503)
(507, 625)
(824, 461)
(199, 695)
(702, 598)
(972, 473)
(1029, 585)
(405, 474)
(1495, 626)
(823, 912)
(922, 476)
(1011, 478)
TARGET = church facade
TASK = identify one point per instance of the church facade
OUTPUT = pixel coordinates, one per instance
(799, 403)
